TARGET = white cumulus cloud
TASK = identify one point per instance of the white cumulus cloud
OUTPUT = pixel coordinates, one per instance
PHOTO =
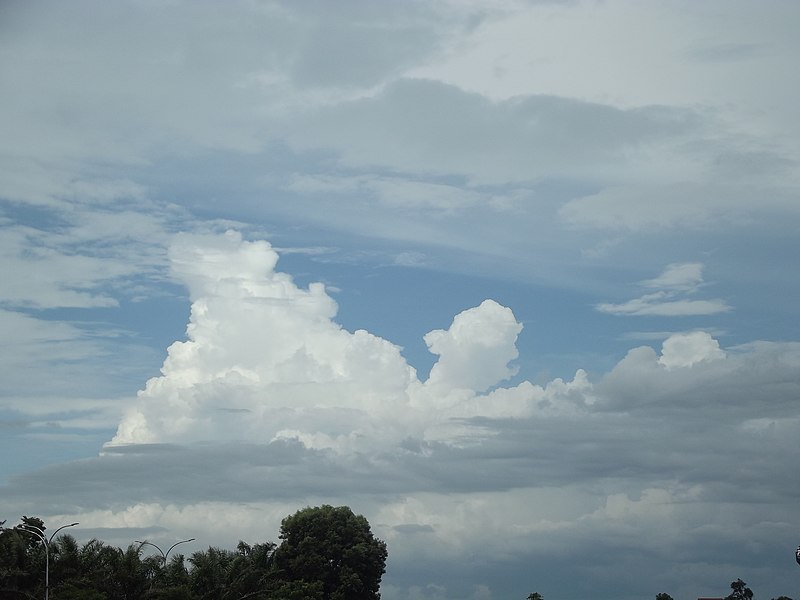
(264, 359)
(686, 349)
(474, 353)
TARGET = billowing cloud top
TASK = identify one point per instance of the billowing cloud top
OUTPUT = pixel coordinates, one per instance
(264, 359)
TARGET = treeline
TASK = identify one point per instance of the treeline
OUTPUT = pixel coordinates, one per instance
(325, 553)
(739, 591)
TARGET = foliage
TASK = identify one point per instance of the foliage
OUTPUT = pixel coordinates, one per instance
(740, 591)
(327, 554)
(20, 555)
(334, 547)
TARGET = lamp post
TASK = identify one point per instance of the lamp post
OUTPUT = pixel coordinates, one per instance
(164, 555)
(39, 533)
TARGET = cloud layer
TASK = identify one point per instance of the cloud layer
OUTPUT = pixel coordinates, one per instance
(451, 171)
(268, 387)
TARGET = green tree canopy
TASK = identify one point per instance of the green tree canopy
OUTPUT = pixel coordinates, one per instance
(326, 553)
(333, 548)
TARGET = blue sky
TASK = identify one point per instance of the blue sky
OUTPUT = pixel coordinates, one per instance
(515, 280)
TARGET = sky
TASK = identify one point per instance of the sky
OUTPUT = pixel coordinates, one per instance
(515, 280)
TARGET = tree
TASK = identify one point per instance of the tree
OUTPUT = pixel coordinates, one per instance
(66, 569)
(22, 560)
(326, 553)
(99, 564)
(210, 573)
(129, 580)
(250, 573)
(329, 553)
(740, 591)
(663, 596)
(175, 581)
(14, 562)
(534, 596)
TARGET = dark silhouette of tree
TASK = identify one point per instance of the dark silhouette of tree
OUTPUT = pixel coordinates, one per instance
(298, 590)
(740, 591)
(22, 560)
(326, 554)
(663, 596)
(251, 571)
(100, 564)
(67, 570)
(14, 562)
(534, 596)
(210, 573)
(174, 580)
(329, 553)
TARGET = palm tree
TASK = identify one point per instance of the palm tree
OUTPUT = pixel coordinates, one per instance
(250, 574)
(209, 574)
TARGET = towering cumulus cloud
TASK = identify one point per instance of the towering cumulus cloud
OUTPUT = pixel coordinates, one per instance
(264, 359)
(474, 353)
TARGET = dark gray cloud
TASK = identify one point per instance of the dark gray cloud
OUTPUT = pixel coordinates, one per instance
(430, 127)
(720, 53)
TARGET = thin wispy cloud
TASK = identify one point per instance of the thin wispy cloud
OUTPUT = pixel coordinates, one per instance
(678, 277)
(674, 285)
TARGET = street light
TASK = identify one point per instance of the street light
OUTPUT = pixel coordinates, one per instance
(164, 555)
(39, 533)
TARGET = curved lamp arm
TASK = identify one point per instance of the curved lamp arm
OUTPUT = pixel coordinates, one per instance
(164, 555)
(39, 533)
